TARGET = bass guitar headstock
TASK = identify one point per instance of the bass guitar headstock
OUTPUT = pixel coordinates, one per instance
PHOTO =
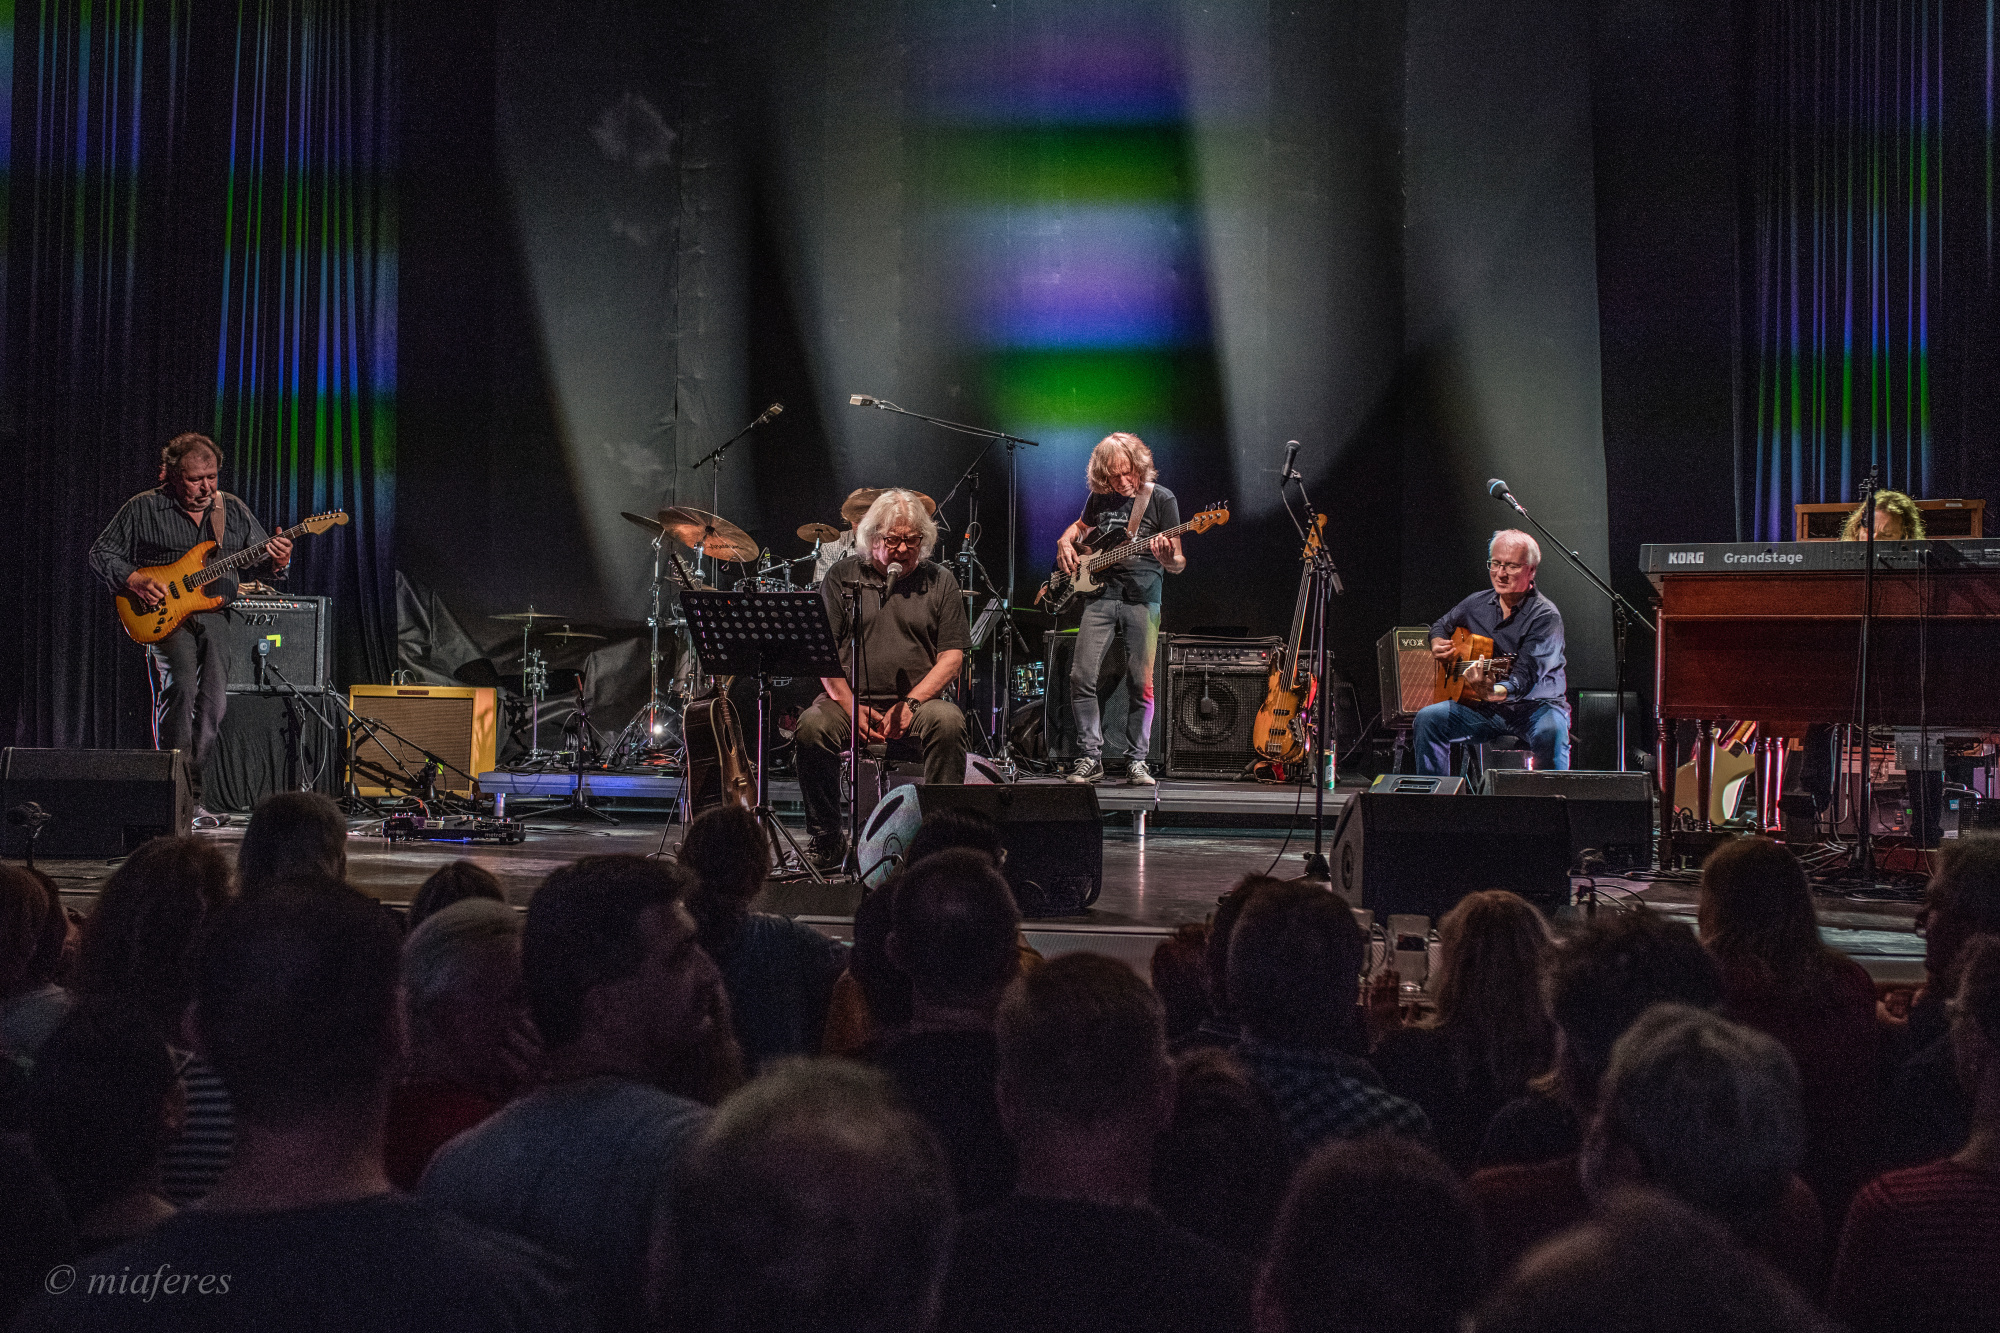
(1212, 517)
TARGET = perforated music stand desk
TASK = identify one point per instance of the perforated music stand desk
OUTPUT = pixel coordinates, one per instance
(763, 634)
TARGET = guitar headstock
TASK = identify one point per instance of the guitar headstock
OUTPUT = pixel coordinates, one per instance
(319, 523)
(1212, 517)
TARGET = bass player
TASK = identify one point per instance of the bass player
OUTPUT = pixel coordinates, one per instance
(1531, 700)
(1124, 493)
(158, 527)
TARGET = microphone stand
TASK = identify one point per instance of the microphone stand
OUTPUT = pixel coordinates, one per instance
(1864, 848)
(1013, 442)
(1623, 613)
(713, 460)
(1325, 586)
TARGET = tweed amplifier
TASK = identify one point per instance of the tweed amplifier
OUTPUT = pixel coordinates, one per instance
(456, 723)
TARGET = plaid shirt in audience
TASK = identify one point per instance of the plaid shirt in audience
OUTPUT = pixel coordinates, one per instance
(1323, 1095)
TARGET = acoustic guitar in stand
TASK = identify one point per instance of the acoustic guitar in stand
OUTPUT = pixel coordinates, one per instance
(718, 770)
(1104, 550)
(185, 578)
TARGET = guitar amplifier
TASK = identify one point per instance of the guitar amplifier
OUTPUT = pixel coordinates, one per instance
(296, 629)
(1214, 688)
(1059, 716)
(1408, 673)
(455, 723)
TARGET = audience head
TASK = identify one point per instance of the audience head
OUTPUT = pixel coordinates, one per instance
(1756, 907)
(1975, 1024)
(611, 964)
(139, 943)
(295, 1004)
(1609, 973)
(728, 855)
(291, 833)
(954, 930)
(1083, 1052)
(453, 882)
(1493, 947)
(1295, 966)
(102, 1104)
(813, 1201)
(1215, 953)
(1376, 1236)
(1220, 1168)
(1963, 900)
(1646, 1263)
(885, 989)
(33, 929)
(1702, 1108)
(1177, 978)
(467, 1005)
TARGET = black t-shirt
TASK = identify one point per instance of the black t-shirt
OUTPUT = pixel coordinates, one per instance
(947, 1079)
(389, 1262)
(1059, 1264)
(1417, 1063)
(924, 615)
(1136, 580)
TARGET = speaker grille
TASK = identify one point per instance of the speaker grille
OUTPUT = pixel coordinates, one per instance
(1214, 714)
(455, 724)
(1408, 673)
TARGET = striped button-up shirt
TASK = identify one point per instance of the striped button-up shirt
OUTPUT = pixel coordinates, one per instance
(151, 529)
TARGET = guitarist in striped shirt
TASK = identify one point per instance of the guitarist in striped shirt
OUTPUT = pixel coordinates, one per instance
(1122, 478)
(158, 527)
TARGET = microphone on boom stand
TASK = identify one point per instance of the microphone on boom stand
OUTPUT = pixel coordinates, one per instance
(1498, 490)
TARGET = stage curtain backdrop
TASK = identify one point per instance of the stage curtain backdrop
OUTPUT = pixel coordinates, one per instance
(201, 235)
(1868, 292)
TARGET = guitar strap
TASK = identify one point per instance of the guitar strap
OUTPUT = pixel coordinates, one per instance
(1140, 504)
(218, 519)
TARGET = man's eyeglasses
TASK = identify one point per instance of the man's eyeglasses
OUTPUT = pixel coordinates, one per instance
(1505, 566)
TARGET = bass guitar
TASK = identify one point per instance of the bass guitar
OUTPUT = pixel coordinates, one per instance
(185, 578)
(718, 770)
(1466, 649)
(1280, 733)
(1105, 550)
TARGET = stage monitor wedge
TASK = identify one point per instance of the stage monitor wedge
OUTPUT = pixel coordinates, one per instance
(1422, 853)
(100, 802)
(1054, 836)
(1609, 813)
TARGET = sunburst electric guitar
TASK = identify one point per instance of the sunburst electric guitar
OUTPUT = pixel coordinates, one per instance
(1280, 732)
(185, 578)
(1105, 550)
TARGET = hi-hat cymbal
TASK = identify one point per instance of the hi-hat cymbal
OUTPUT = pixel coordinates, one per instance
(711, 534)
(818, 532)
(856, 504)
(531, 615)
(566, 634)
(648, 524)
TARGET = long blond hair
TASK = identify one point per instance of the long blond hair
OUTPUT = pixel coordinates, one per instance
(1896, 503)
(1123, 446)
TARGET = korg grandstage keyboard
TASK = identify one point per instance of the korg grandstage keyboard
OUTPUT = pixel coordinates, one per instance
(1815, 557)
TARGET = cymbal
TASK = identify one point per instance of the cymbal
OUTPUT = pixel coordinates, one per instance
(711, 534)
(818, 532)
(649, 524)
(531, 615)
(857, 502)
(566, 634)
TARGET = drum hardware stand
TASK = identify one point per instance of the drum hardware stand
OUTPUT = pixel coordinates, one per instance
(578, 805)
(713, 461)
(646, 733)
(1005, 759)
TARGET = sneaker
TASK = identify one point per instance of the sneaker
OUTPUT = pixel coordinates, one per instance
(205, 820)
(1138, 775)
(828, 853)
(1084, 770)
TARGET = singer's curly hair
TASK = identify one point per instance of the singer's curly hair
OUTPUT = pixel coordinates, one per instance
(1120, 446)
(888, 507)
(1900, 506)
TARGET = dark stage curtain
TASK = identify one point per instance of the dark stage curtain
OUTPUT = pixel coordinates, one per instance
(1868, 291)
(201, 235)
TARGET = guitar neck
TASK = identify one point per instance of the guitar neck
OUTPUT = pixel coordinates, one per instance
(1133, 547)
(249, 555)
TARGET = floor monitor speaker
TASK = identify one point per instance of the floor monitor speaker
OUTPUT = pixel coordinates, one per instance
(1610, 813)
(454, 722)
(1422, 853)
(1054, 838)
(99, 802)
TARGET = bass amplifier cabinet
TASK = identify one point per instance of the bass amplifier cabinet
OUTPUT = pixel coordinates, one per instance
(1059, 718)
(1408, 673)
(1610, 813)
(1214, 688)
(1054, 836)
(99, 802)
(295, 627)
(454, 722)
(1422, 853)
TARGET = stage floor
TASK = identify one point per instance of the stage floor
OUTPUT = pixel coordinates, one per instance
(1153, 880)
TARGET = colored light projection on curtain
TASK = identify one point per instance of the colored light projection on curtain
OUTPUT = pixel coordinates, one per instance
(305, 365)
(1848, 205)
(1059, 166)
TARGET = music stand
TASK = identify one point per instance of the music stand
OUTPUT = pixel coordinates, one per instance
(763, 634)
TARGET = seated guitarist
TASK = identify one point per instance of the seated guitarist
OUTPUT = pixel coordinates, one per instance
(158, 527)
(1120, 475)
(1530, 701)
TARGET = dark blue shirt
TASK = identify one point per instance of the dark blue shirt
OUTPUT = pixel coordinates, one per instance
(1532, 636)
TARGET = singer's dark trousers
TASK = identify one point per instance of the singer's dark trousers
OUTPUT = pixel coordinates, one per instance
(822, 735)
(190, 693)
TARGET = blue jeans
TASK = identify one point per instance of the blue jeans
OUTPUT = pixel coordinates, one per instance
(1103, 619)
(1542, 723)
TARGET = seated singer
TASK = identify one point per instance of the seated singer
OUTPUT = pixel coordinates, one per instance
(1530, 701)
(914, 638)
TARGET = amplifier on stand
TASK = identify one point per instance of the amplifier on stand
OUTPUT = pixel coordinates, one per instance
(296, 630)
(1214, 688)
(1408, 674)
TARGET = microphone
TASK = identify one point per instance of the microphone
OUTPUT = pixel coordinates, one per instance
(1498, 490)
(863, 400)
(28, 815)
(895, 572)
(774, 410)
(263, 647)
(1291, 457)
